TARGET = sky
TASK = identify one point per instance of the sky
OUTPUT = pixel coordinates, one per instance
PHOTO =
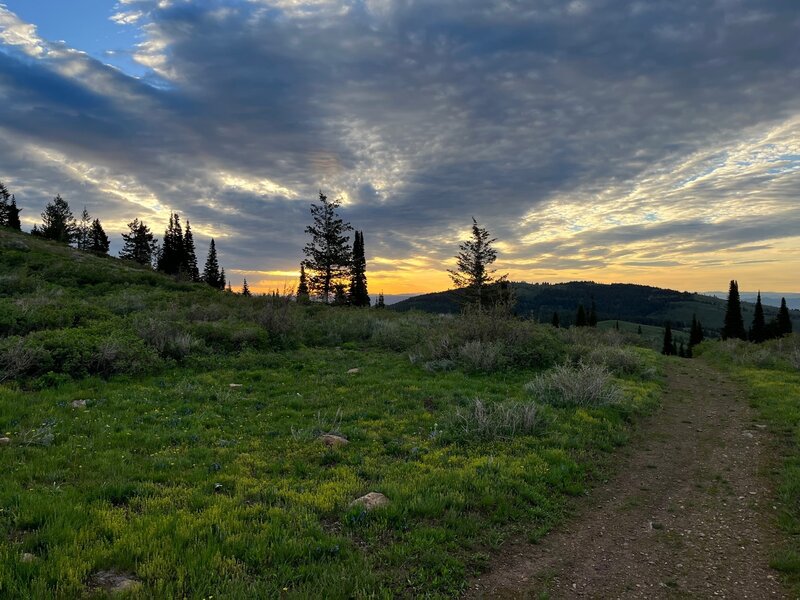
(652, 142)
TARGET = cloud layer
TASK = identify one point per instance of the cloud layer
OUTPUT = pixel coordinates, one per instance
(652, 141)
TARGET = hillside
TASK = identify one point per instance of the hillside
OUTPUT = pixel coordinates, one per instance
(618, 301)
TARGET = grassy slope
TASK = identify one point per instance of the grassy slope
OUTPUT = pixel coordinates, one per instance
(774, 386)
(198, 488)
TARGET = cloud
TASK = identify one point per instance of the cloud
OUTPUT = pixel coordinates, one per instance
(585, 134)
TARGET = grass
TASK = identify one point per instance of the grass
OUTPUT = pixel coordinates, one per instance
(773, 381)
(197, 488)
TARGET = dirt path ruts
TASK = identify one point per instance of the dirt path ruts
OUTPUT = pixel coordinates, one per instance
(688, 514)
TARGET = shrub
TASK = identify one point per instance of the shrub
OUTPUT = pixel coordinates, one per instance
(576, 385)
(169, 340)
(482, 356)
(18, 359)
(486, 422)
(619, 360)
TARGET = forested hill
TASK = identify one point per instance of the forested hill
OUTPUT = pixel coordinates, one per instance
(621, 301)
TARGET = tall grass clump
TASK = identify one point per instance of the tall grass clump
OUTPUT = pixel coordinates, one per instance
(584, 385)
(480, 421)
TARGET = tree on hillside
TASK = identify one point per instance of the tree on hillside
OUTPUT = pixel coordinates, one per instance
(696, 334)
(580, 317)
(172, 259)
(58, 224)
(9, 214)
(381, 303)
(758, 330)
(223, 279)
(734, 325)
(328, 253)
(340, 297)
(97, 240)
(784, 319)
(639, 330)
(190, 255)
(302, 287)
(472, 273)
(12, 215)
(592, 320)
(212, 274)
(245, 288)
(139, 244)
(82, 230)
(668, 347)
(555, 321)
(358, 273)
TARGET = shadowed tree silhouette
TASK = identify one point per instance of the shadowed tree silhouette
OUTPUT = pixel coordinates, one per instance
(328, 253)
(734, 325)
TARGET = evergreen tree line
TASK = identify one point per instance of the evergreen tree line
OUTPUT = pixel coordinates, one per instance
(760, 330)
(176, 255)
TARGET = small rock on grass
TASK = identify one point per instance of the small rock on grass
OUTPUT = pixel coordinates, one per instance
(371, 501)
(235, 385)
(353, 371)
(333, 441)
(78, 404)
(113, 582)
(4, 441)
(27, 557)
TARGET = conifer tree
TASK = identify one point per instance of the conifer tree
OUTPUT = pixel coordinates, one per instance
(97, 240)
(758, 329)
(734, 324)
(328, 253)
(580, 317)
(682, 350)
(556, 321)
(58, 224)
(172, 259)
(190, 255)
(639, 330)
(211, 272)
(139, 244)
(592, 320)
(223, 279)
(358, 273)
(245, 288)
(380, 303)
(472, 273)
(5, 204)
(82, 230)
(12, 215)
(340, 297)
(696, 334)
(616, 325)
(302, 287)
(784, 319)
(669, 345)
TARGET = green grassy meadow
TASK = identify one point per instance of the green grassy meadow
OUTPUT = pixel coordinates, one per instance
(196, 487)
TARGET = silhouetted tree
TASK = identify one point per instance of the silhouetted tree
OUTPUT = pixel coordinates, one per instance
(82, 230)
(97, 241)
(5, 203)
(340, 294)
(212, 274)
(556, 321)
(668, 348)
(12, 215)
(358, 273)
(580, 317)
(734, 325)
(758, 330)
(190, 255)
(380, 303)
(223, 279)
(639, 330)
(475, 256)
(172, 259)
(592, 320)
(58, 224)
(784, 319)
(328, 254)
(245, 288)
(139, 244)
(302, 287)
(696, 334)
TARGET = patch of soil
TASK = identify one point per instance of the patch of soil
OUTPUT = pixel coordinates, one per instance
(688, 515)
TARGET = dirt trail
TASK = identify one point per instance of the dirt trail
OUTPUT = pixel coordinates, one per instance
(688, 514)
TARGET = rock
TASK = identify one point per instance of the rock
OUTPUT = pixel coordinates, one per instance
(4, 441)
(371, 501)
(114, 582)
(235, 385)
(332, 440)
(27, 557)
(353, 371)
(78, 404)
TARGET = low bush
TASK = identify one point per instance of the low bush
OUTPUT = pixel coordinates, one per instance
(583, 384)
(485, 422)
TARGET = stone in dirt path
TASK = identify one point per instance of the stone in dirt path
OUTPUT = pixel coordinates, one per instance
(688, 514)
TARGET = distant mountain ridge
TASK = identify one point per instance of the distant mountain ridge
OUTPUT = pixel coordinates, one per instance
(767, 298)
(621, 301)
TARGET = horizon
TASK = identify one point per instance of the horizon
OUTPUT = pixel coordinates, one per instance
(613, 142)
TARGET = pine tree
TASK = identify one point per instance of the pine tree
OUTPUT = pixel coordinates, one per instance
(784, 319)
(97, 241)
(759, 326)
(139, 244)
(668, 347)
(223, 279)
(57, 222)
(358, 273)
(302, 287)
(82, 231)
(190, 255)
(472, 273)
(682, 350)
(380, 303)
(5, 205)
(340, 297)
(592, 320)
(12, 215)
(328, 254)
(734, 325)
(556, 321)
(580, 317)
(245, 288)
(639, 330)
(696, 334)
(211, 272)
(616, 325)
(172, 259)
